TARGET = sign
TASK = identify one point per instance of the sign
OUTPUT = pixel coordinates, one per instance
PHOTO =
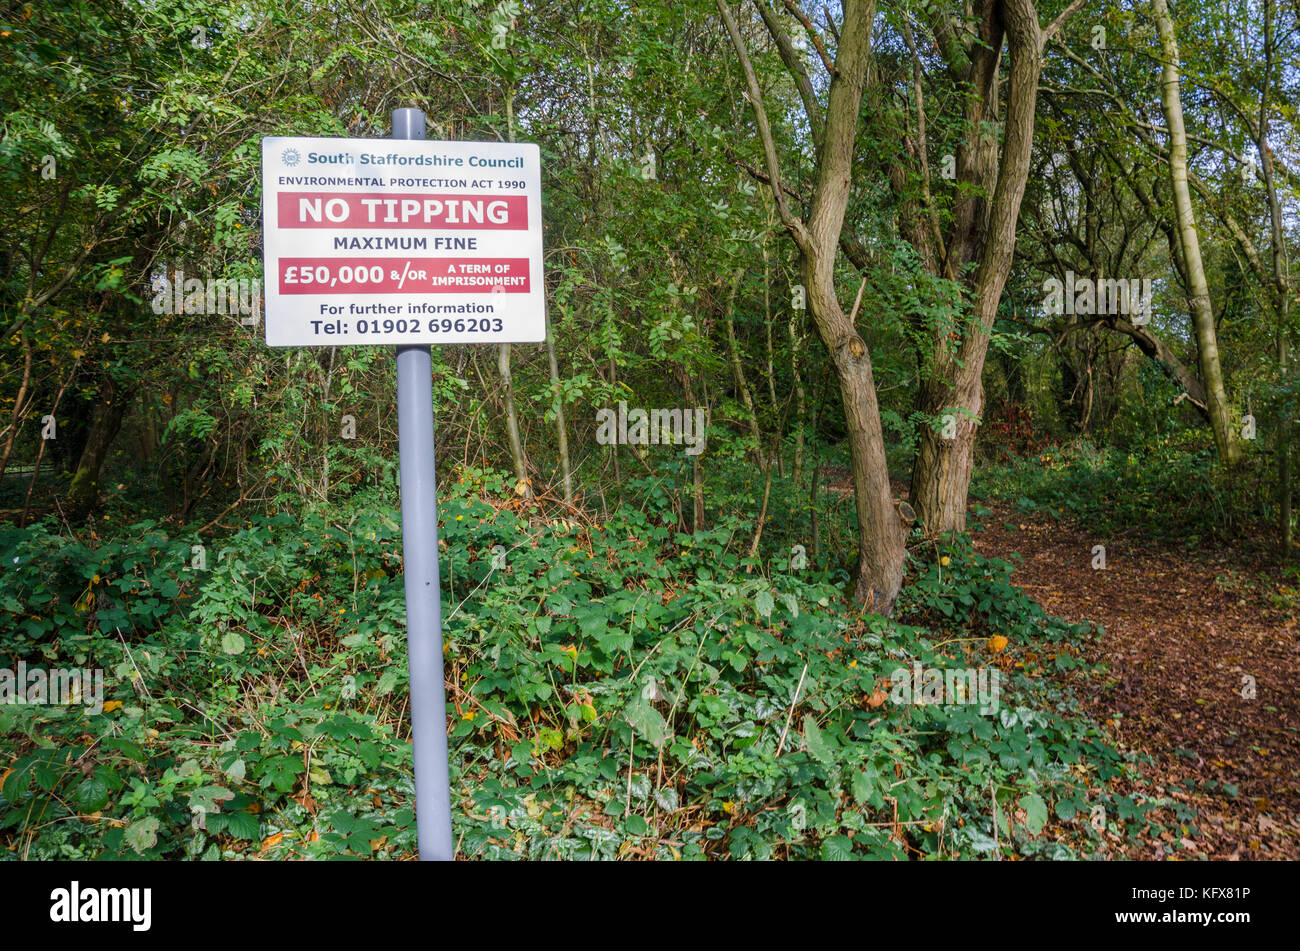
(401, 241)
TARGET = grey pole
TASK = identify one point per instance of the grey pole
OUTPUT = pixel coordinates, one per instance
(420, 561)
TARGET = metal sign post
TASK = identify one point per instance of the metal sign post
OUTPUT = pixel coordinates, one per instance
(420, 566)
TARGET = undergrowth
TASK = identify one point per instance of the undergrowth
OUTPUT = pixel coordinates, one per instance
(1170, 488)
(619, 689)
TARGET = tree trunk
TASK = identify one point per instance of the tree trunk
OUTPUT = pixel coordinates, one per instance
(800, 398)
(512, 423)
(738, 370)
(1168, 361)
(878, 573)
(522, 486)
(1281, 290)
(953, 393)
(20, 405)
(1198, 291)
(105, 422)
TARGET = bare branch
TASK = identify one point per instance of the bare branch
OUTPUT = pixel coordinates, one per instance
(922, 147)
(759, 175)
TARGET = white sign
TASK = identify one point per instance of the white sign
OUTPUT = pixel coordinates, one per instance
(394, 241)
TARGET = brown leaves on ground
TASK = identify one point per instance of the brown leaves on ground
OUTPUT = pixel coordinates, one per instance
(1185, 647)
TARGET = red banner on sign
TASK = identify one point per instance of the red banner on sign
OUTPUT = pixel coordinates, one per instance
(404, 275)
(378, 210)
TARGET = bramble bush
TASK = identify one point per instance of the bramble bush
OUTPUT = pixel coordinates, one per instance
(620, 689)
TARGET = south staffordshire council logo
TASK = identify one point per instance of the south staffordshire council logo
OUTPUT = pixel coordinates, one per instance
(290, 157)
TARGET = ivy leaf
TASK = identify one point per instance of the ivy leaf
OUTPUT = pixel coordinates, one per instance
(666, 798)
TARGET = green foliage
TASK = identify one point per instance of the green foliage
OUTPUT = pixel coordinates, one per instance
(619, 690)
(1170, 487)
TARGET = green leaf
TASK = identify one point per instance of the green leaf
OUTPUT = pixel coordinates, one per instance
(647, 721)
(92, 795)
(1035, 812)
(320, 776)
(864, 785)
(17, 784)
(142, 834)
(837, 848)
(592, 621)
(791, 604)
(817, 744)
(47, 777)
(242, 825)
(763, 604)
(369, 754)
(232, 643)
(210, 798)
(611, 642)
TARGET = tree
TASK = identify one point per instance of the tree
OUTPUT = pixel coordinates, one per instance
(878, 572)
(980, 242)
(1189, 245)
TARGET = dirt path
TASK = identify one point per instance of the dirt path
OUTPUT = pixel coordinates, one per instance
(1180, 648)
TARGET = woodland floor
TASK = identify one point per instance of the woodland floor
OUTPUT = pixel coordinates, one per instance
(1182, 631)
